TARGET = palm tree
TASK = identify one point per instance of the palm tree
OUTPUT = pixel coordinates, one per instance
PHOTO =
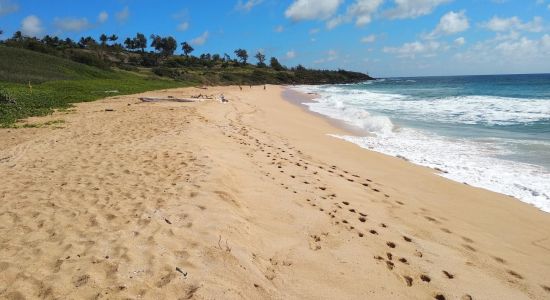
(113, 38)
(103, 38)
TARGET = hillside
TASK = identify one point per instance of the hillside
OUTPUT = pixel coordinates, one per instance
(57, 82)
(21, 66)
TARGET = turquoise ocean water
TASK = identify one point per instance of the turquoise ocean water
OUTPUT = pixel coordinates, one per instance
(488, 131)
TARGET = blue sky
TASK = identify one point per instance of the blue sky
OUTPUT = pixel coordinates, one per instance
(381, 37)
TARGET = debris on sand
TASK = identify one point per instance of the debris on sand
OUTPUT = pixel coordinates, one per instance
(149, 99)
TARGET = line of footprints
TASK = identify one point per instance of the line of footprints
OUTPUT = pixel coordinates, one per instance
(279, 157)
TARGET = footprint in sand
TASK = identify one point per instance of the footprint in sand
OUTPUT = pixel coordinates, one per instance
(448, 275)
(425, 278)
(516, 275)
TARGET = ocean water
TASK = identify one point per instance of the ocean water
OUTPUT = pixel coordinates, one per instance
(488, 131)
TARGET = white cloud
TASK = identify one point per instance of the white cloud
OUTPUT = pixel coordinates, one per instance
(411, 50)
(123, 15)
(8, 7)
(362, 10)
(248, 5)
(331, 55)
(513, 23)
(334, 22)
(31, 26)
(368, 39)
(103, 17)
(460, 41)
(314, 31)
(413, 8)
(279, 28)
(312, 9)
(290, 54)
(183, 26)
(200, 40)
(510, 52)
(72, 24)
(451, 23)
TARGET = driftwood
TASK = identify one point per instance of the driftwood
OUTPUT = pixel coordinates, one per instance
(147, 99)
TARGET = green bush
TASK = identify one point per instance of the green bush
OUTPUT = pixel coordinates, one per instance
(89, 59)
(6, 98)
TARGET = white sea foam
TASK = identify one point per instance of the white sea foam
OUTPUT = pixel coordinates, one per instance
(478, 163)
(489, 110)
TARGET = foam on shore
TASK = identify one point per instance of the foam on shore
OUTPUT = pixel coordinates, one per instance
(480, 162)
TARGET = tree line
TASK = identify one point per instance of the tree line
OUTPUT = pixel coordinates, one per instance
(159, 54)
(163, 48)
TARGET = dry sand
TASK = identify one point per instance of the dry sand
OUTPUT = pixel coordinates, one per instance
(250, 199)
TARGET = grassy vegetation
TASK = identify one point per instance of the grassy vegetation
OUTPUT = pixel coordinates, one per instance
(247, 74)
(21, 66)
(57, 83)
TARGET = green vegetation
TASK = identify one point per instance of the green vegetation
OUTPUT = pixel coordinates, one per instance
(39, 75)
(57, 83)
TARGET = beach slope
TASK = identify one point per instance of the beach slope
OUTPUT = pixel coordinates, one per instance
(247, 199)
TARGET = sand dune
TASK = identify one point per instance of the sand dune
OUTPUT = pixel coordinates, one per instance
(249, 199)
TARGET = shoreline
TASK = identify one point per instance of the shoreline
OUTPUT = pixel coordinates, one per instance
(247, 199)
(298, 99)
(356, 136)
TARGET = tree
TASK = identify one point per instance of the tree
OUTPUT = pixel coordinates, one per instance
(140, 42)
(242, 54)
(169, 46)
(17, 36)
(156, 42)
(113, 38)
(87, 42)
(69, 43)
(274, 63)
(130, 44)
(103, 38)
(48, 40)
(187, 49)
(164, 46)
(261, 59)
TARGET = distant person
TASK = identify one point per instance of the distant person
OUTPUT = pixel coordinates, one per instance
(264, 87)
(250, 86)
(240, 87)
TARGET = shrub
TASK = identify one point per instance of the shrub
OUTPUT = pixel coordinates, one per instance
(6, 98)
(88, 59)
(164, 72)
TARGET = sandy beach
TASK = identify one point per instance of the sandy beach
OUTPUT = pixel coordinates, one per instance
(250, 199)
